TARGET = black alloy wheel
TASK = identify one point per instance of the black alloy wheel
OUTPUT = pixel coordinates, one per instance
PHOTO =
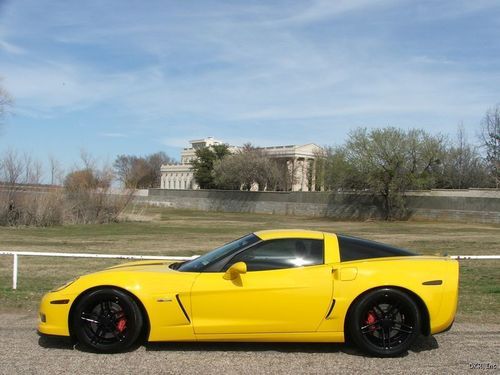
(107, 320)
(384, 322)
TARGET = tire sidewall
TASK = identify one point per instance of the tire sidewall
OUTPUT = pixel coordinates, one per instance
(360, 308)
(130, 308)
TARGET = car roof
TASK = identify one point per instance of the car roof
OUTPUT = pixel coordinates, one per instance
(288, 233)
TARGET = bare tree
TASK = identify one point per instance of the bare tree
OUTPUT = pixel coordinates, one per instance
(461, 165)
(490, 138)
(33, 170)
(6, 102)
(140, 172)
(12, 168)
(56, 171)
(248, 169)
(89, 162)
(88, 198)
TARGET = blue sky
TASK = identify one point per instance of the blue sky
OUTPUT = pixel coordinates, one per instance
(137, 77)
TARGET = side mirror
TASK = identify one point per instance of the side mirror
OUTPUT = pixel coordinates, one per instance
(235, 270)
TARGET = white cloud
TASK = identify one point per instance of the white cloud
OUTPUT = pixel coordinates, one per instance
(11, 48)
(244, 64)
(320, 10)
(113, 135)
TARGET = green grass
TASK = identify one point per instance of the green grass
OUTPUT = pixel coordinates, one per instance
(184, 232)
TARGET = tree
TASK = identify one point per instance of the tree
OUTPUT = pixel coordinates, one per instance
(5, 102)
(140, 172)
(461, 165)
(88, 197)
(490, 138)
(337, 172)
(56, 171)
(392, 161)
(203, 165)
(154, 162)
(248, 168)
(83, 180)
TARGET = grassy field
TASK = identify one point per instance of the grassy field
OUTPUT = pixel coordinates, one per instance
(156, 231)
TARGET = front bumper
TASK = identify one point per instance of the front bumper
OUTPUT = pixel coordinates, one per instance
(53, 314)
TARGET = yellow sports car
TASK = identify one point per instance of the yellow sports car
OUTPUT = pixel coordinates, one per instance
(278, 285)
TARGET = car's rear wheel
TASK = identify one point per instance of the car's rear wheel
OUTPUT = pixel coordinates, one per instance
(107, 320)
(384, 322)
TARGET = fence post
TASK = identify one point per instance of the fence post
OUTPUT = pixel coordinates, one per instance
(14, 273)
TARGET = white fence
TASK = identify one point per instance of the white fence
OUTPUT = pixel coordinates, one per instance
(17, 254)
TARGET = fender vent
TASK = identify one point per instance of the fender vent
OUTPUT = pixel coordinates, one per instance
(182, 308)
(433, 282)
(330, 309)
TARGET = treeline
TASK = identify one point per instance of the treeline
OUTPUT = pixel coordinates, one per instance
(388, 162)
(82, 195)
(385, 162)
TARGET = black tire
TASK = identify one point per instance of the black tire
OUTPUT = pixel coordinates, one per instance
(384, 322)
(107, 320)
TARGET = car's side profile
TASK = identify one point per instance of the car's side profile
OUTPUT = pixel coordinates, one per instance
(281, 285)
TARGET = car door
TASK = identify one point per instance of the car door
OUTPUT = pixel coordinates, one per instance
(287, 288)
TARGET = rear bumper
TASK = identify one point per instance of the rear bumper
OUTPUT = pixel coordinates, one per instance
(447, 328)
(443, 321)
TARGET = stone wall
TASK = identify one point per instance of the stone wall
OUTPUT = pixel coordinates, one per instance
(482, 206)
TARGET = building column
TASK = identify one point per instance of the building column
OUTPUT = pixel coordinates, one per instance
(294, 179)
(304, 172)
(313, 175)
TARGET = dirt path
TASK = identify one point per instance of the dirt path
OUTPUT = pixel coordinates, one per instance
(457, 351)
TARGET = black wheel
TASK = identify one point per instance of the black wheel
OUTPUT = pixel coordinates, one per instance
(107, 320)
(384, 322)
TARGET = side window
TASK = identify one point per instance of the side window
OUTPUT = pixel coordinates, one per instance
(282, 253)
(352, 248)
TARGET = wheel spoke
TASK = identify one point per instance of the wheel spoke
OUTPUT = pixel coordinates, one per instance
(90, 320)
(384, 345)
(366, 329)
(120, 337)
(393, 308)
(117, 315)
(103, 307)
(403, 328)
(97, 336)
(89, 317)
(378, 311)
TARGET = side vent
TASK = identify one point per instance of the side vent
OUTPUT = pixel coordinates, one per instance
(330, 309)
(182, 308)
(433, 282)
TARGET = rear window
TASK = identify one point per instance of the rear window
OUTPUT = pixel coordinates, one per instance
(353, 248)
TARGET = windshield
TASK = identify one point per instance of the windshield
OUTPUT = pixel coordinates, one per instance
(198, 264)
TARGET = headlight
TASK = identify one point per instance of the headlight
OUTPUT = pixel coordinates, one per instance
(64, 286)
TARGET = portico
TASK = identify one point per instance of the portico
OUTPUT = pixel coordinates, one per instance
(298, 160)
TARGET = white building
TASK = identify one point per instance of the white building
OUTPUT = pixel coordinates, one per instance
(300, 161)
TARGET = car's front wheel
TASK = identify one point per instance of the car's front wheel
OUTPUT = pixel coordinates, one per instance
(107, 320)
(384, 322)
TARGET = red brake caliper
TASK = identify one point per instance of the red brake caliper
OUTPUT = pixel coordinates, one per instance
(370, 319)
(122, 324)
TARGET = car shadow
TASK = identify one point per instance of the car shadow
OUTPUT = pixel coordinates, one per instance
(424, 344)
(55, 342)
(246, 347)
(421, 345)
